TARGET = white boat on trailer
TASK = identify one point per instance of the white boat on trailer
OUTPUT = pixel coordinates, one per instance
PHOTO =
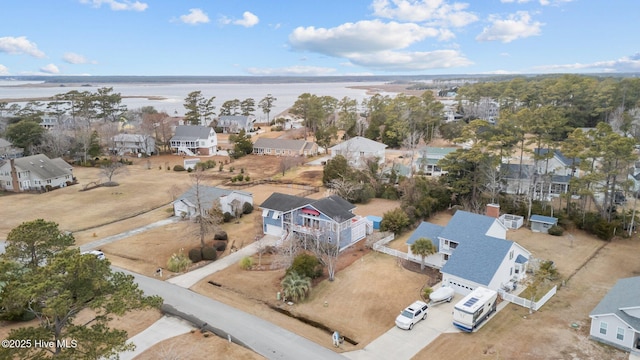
(443, 294)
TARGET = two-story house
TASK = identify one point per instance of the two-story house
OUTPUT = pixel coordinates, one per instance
(426, 161)
(359, 150)
(472, 251)
(8, 151)
(133, 143)
(329, 219)
(194, 140)
(34, 173)
(232, 124)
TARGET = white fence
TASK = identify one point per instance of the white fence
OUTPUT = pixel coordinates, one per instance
(380, 246)
(536, 305)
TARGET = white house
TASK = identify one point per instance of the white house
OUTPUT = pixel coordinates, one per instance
(194, 140)
(234, 123)
(358, 150)
(472, 251)
(8, 151)
(284, 147)
(133, 143)
(231, 201)
(426, 161)
(36, 172)
(616, 319)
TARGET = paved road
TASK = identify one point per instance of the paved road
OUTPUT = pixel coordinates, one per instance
(261, 336)
(109, 239)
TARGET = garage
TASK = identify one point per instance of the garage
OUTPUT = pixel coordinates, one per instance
(272, 230)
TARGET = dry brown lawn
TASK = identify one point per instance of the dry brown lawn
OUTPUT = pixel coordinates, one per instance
(197, 346)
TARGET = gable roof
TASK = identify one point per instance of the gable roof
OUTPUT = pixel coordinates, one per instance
(477, 260)
(42, 166)
(623, 295)
(435, 152)
(544, 219)
(333, 206)
(360, 144)
(465, 226)
(558, 154)
(191, 132)
(131, 137)
(4, 143)
(429, 231)
(208, 194)
(512, 171)
(282, 144)
(241, 120)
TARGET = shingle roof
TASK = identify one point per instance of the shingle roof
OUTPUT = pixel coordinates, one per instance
(429, 231)
(208, 194)
(557, 153)
(42, 166)
(512, 171)
(333, 206)
(4, 143)
(360, 144)
(477, 259)
(624, 294)
(435, 152)
(130, 137)
(465, 226)
(282, 144)
(191, 132)
(521, 259)
(241, 120)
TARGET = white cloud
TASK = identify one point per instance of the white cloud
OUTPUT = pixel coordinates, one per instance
(292, 70)
(195, 16)
(542, 2)
(4, 70)
(19, 45)
(360, 37)
(73, 58)
(248, 20)
(118, 5)
(623, 64)
(50, 69)
(411, 61)
(435, 12)
(515, 26)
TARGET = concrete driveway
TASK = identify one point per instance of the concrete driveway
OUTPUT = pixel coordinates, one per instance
(165, 328)
(401, 344)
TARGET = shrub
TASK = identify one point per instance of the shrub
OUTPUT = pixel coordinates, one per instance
(555, 230)
(178, 168)
(220, 245)
(240, 177)
(227, 216)
(426, 292)
(395, 221)
(247, 178)
(209, 253)
(306, 266)
(178, 262)
(247, 208)
(195, 255)
(190, 170)
(246, 263)
(220, 167)
(221, 235)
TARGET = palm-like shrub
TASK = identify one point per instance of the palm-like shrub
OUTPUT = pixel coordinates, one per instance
(423, 247)
(295, 287)
(178, 262)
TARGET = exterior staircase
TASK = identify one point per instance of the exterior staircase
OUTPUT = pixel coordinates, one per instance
(186, 150)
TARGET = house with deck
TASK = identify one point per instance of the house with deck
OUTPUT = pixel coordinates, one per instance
(471, 251)
(615, 320)
(201, 199)
(359, 150)
(35, 173)
(426, 161)
(329, 219)
(133, 144)
(284, 147)
(232, 124)
(193, 140)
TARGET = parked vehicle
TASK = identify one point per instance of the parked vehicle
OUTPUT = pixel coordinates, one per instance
(474, 308)
(97, 253)
(411, 315)
(443, 294)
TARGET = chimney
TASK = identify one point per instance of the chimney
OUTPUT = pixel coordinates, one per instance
(14, 176)
(493, 210)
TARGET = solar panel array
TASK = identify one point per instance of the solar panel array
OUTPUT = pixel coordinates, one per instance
(471, 301)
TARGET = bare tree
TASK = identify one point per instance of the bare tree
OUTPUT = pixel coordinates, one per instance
(55, 143)
(208, 216)
(112, 169)
(345, 189)
(327, 250)
(289, 162)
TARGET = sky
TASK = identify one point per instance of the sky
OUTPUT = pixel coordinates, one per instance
(318, 38)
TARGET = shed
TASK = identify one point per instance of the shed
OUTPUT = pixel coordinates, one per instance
(541, 223)
(375, 221)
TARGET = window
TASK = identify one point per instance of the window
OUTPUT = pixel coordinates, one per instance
(620, 334)
(510, 271)
(446, 243)
(446, 257)
(453, 245)
(603, 328)
(511, 255)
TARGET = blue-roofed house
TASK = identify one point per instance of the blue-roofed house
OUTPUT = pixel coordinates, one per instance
(328, 219)
(616, 319)
(427, 158)
(473, 251)
(541, 223)
(432, 232)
